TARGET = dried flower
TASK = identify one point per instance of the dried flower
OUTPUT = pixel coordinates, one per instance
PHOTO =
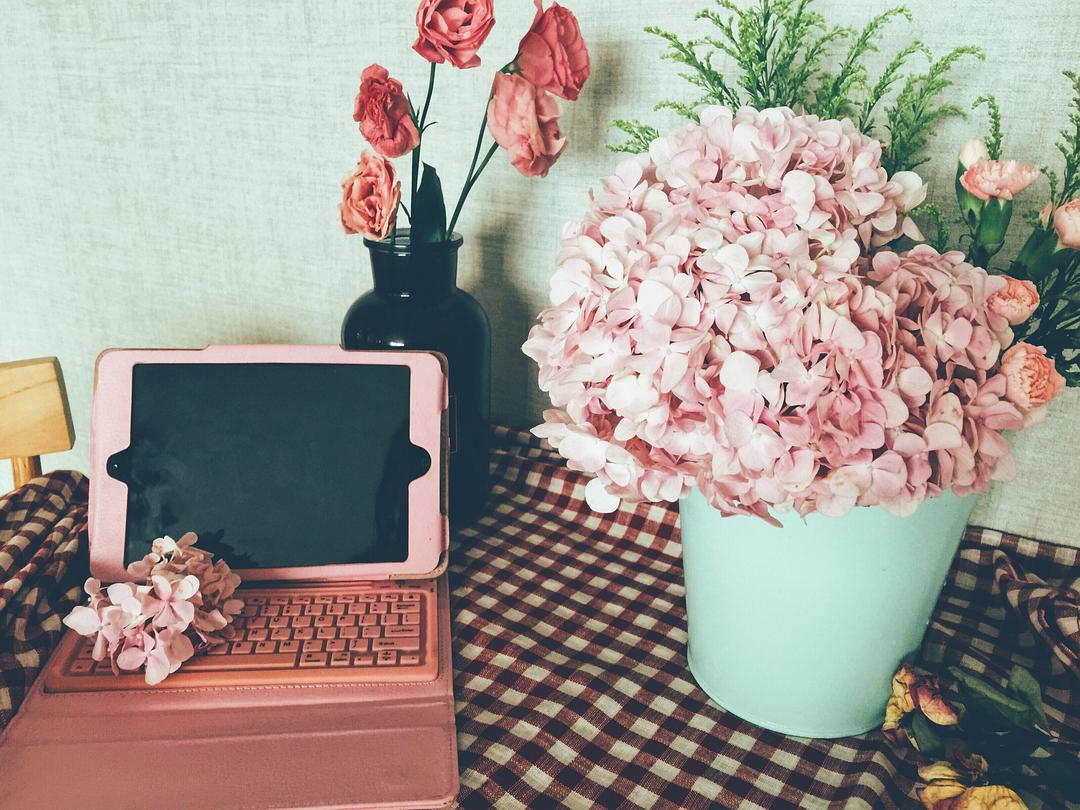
(382, 111)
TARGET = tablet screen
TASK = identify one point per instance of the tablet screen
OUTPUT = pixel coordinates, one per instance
(271, 464)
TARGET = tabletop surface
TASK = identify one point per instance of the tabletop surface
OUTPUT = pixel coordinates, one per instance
(570, 649)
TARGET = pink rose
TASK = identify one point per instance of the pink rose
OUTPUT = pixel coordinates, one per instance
(1016, 301)
(524, 120)
(1030, 377)
(1003, 179)
(370, 197)
(383, 113)
(453, 30)
(1067, 224)
(552, 54)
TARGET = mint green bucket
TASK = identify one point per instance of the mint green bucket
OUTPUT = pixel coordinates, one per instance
(799, 629)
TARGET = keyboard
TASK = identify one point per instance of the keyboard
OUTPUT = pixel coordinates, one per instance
(325, 634)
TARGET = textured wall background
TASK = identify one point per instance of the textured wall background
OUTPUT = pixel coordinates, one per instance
(169, 171)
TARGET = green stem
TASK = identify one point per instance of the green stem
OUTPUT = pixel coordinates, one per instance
(469, 185)
(469, 176)
(420, 140)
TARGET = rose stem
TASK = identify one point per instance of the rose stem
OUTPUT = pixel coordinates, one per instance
(420, 138)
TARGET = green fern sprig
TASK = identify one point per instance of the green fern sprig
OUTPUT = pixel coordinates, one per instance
(889, 77)
(917, 111)
(993, 139)
(1069, 146)
(834, 96)
(640, 136)
(702, 74)
(940, 238)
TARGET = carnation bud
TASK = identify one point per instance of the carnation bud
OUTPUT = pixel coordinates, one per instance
(972, 152)
(1067, 224)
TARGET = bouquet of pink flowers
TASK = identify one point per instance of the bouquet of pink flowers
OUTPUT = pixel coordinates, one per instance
(726, 317)
(521, 114)
(186, 602)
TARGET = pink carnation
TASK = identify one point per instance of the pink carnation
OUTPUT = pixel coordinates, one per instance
(720, 319)
(1002, 179)
(524, 120)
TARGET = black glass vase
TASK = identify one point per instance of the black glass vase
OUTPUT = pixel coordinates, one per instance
(417, 305)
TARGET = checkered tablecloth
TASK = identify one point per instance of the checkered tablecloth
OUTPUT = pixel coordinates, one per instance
(571, 679)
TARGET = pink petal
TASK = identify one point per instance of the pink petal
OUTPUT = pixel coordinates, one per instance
(83, 620)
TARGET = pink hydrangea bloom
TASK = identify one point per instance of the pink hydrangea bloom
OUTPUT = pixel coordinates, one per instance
(726, 317)
(186, 599)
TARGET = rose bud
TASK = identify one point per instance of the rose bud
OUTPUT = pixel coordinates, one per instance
(552, 55)
(1067, 224)
(382, 111)
(1016, 301)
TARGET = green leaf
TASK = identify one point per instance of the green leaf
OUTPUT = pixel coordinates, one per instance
(930, 743)
(429, 210)
(1059, 770)
(1023, 685)
(992, 702)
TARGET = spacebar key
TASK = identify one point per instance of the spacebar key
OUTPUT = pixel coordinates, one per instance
(211, 663)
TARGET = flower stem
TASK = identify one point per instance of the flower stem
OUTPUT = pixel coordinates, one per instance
(420, 140)
(473, 174)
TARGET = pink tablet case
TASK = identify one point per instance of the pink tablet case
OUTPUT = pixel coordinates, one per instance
(319, 745)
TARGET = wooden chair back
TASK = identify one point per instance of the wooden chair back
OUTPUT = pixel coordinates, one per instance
(34, 415)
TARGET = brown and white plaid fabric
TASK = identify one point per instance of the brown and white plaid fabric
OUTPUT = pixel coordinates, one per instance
(571, 679)
(42, 528)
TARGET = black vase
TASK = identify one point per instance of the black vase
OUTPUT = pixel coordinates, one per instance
(417, 305)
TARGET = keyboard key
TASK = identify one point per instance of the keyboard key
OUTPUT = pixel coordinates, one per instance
(386, 658)
(279, 600)
(205, 663)
(302, 633)
(270, 610)
(335, 645)
(356, 609)
(289, 647)
(264, 647)
(345, 621)
(312, 659)
(326, 632)
(314, 645)
(345, 597)
(258, 621)
(410, 618)
(302, 621)
(241, 648)
(359, 645)
(405, 607)
(371, 632)
(218, 649)
(367, 597)
(340, 659)
(256, 634)
(281, 634)
(324, 621)
(402, 631)
(378, 607)
(292, 610)
(336, 609)
(250, 610)
(367, 621)
(389, 597)
(410, 596)
(313, 610)
(348, 632)
(409, 659)
(255, 600)
(279, 621)
(388, 619)
(363, 660)
(409, 644)
(301, 599)
(323, 599)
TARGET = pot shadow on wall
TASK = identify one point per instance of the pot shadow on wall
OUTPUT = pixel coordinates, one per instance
(516, 260)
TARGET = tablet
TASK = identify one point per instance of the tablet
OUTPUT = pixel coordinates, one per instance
(307, 463)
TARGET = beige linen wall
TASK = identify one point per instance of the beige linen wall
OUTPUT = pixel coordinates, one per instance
(169, 171)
